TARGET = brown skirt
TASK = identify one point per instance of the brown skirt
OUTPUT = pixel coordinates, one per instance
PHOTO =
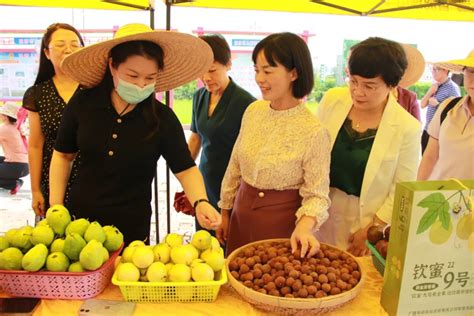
(261, 214)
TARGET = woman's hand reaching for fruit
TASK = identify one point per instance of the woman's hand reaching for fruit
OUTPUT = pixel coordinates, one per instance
(304, 236)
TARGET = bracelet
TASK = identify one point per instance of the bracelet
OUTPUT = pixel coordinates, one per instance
(199, 201)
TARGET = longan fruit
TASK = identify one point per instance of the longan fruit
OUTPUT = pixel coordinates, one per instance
(335, 290)
(305, 268)
(326, 262)
(274, 292)
(235, 274)
(248, 284)
(233, 266)
(297, 285)
(280, 281)
(266, 268)
(262, 291)
(303, 293)
(257, 259)
(290, 281)
(322, 278)
(320, 294)
(257, 273)
(280, 273)
(294, 274)
(250, 262)
(356, 275)
(312, 290)
(308, 280)
(285, 290)
(320, 269)
(267, 278)
(331, 277)
(353, 281)
(284, 260)
(289, 295)
(278, 266)
(326, 287)
(244, 268)
(270, 286)
(249, 252)
(345, 277)
(341, 284)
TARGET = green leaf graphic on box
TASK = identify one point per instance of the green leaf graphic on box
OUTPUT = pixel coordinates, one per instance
(436, 204)
(444, 217)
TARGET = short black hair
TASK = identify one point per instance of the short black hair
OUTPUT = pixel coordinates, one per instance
(378, 56)
(291, 51)
(219, 46)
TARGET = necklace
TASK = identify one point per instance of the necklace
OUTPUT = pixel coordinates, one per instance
(125, 109)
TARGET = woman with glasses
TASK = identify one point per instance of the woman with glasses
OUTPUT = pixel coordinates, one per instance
(46, 100)
(451, 131)
(375, 144)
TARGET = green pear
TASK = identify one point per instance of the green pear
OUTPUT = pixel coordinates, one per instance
(105, 255)
(42, 235)
(201, 240)
(157, 272)
(162, 252)
(78, 226)
(174, 239)
(127, 272)
(184, 254)
(202, 272)
(10, 259)
(42, 222)
(113, 238)
(10, 234)
(127, 254)
(58, 218)
(3, 243)
(75, 267)
(95, 231)
(21, 239)
(35, 258)
(73, 245)
(215, 260)
(91, 256)
(57, 245)
(179, 273)
(57, 262)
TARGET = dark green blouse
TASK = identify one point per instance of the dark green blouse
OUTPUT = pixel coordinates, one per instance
(349, 157)
(218, 133)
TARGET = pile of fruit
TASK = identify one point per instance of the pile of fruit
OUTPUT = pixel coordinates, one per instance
(378, 236)
(270, 268)
(172, 261)
(58, 244)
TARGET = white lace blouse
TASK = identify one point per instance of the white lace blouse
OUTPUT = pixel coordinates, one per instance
(281, 150)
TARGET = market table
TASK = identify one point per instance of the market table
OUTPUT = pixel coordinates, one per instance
(228, 301)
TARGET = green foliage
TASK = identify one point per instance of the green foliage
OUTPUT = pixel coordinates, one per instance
(420, 88)
(186, 91)
(321, 86)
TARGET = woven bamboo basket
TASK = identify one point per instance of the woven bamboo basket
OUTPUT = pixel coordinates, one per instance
(293, 306)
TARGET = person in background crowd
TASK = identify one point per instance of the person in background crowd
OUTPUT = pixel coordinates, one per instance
(415, 68)
(450, 149)
(442, 89)
(277, 181)
(218, 108)
(46, 101)
(375, 144)
(121, 129)
(14, 165)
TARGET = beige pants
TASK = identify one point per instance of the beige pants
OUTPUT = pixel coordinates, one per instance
(343, 221)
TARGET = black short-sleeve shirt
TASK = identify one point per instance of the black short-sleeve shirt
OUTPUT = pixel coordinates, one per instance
(118, 157)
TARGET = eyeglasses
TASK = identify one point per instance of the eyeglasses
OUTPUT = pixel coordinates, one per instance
(364, 87)
(61, 45)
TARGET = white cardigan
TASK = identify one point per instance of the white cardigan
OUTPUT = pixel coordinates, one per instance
(394, 156)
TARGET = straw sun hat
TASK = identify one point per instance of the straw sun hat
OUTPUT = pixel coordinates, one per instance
(457, 65)
(186, 57)
(415, 68)
(9, 109)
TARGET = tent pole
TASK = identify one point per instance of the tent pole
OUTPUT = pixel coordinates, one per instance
(168, 102)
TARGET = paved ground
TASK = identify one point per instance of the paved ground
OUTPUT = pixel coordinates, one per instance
(16, 211)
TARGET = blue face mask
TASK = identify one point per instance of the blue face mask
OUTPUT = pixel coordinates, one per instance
(133, 94)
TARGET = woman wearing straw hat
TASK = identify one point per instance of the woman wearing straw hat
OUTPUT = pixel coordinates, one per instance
(121, 129)
(45, 102)
(375, 144)
(415, 68)
(450, 147)
(14, 165)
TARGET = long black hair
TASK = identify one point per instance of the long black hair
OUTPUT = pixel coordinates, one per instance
(119, 55)
(46, 68)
